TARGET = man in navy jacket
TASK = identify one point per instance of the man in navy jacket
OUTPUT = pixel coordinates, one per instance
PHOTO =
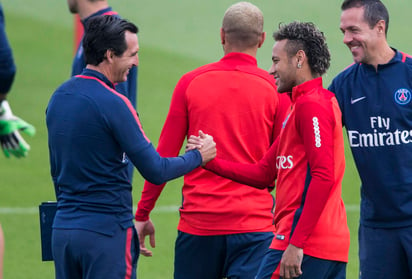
(93, 132)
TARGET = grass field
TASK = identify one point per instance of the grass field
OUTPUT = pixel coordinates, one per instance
(175, 36)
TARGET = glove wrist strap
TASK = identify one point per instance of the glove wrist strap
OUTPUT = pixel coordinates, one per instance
(4, 107)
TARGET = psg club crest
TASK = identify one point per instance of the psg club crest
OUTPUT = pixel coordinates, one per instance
(403, 96)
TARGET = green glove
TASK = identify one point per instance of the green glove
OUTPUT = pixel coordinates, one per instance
(11, 141)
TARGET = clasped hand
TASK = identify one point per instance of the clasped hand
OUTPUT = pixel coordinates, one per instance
(205, 144)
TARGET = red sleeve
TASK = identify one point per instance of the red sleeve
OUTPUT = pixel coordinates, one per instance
(281, 112)
(260, 175)
(315, 122)
(170, 142)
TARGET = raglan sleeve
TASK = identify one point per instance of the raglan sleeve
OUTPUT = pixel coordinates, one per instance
(152, 166)
(260, 175)
(315, 123)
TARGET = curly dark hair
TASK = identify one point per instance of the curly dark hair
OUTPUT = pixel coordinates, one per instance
(307, 37)
(374, 11)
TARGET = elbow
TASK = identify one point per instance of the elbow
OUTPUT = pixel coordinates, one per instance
(156, 176)
(155, 179)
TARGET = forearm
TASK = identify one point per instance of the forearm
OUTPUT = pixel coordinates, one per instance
(316, 124)
(158, 170)
(150, 194)
(260, 175)
(315, 202)
(7, 69)
(249, 174)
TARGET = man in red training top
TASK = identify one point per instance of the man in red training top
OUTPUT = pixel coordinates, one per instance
(311, 236)
(224, 227)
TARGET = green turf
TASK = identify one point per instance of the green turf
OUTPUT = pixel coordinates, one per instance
(175, 36)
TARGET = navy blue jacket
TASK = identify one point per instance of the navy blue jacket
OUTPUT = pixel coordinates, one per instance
(377, 112)
(91, 128)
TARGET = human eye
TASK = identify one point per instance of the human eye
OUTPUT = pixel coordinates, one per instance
(275, 60)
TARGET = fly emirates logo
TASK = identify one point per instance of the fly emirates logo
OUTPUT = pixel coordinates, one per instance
(381, 135)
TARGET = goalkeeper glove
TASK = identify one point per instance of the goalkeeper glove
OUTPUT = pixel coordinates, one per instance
(10, 139)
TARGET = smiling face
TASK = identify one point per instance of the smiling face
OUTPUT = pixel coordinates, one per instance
(122, 64)
(283, 68)
(361, 39)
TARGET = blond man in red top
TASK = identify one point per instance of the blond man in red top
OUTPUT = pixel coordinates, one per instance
(224, 227)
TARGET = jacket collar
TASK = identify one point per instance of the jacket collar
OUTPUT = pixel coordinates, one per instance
(305, 87)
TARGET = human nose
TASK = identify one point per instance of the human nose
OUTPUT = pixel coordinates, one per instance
(272, 70)
(347, 38)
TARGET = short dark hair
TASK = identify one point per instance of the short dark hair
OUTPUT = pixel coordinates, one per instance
(103, 33)
(374, 11)
(305, 36)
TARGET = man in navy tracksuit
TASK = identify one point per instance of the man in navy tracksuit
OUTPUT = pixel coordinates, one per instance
(375, 95)
(91, 129)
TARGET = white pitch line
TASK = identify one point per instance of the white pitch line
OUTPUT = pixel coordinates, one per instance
(158, 209)
(19, 210)
(35, 210)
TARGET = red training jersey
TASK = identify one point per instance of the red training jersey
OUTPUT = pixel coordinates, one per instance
(308, 162)
(237, 103)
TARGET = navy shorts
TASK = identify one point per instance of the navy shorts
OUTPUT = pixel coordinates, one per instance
(311, 267)
(220, 256)
(85, 254)
(385, 253)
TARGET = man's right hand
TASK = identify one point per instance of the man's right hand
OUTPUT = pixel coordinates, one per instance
(207, 148)
(143, 229)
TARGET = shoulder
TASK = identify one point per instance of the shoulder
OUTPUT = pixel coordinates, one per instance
(253, 73)
(262, 74)
(346, 73)
(321, 104)
(67, 85)
(318, 97)
(406, 59)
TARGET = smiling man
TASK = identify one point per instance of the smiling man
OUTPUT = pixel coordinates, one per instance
(93, 132)
(311, 237)
(375, 95)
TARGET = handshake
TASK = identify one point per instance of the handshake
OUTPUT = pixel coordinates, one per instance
(205, 144)
(11, 141)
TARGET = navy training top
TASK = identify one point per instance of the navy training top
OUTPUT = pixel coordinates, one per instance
(377, 112)
(91, 128)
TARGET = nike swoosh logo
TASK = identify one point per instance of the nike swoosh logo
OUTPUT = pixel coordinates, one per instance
(352, 101)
